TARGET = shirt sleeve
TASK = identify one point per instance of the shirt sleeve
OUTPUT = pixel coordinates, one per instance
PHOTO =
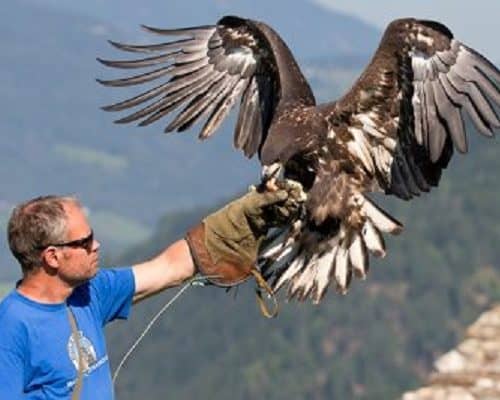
(114, 289)
(11, 375)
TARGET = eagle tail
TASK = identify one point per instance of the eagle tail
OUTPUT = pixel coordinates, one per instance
(306, 259)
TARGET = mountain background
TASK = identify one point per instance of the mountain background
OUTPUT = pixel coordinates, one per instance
(143, 190)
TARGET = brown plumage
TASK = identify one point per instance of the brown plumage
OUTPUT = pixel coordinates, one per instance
(394, 131)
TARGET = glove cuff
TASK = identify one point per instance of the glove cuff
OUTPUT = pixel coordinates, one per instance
(222, 273)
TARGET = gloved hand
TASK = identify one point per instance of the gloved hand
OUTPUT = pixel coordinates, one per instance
(225, 245)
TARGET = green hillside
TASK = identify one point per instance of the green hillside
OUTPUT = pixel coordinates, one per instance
(374, 343)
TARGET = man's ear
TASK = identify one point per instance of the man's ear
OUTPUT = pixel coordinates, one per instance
(51, 257)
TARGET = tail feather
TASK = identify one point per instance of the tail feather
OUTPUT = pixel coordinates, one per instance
(307, 261)
(380, 219)
(358, 256)
(291, 271)
(303, 283)
(276, 244)
(373, 239)
(342, 269)
(322, 278)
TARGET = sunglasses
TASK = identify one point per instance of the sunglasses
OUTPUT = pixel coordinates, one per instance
(84, 243)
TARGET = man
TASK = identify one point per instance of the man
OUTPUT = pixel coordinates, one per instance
(51, 325)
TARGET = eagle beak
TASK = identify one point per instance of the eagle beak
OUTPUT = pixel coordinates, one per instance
(270, 174)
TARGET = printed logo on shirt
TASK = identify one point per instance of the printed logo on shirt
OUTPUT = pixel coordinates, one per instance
(87, 349)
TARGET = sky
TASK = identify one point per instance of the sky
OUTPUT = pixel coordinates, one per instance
(476, 23)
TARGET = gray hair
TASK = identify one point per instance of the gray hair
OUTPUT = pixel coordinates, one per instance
(35, 224)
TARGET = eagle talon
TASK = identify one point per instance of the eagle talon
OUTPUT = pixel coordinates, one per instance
(272, 185)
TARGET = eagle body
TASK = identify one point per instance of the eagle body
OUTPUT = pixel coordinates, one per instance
(393, 132)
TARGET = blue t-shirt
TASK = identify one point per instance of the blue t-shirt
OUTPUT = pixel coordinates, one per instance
(38, 356)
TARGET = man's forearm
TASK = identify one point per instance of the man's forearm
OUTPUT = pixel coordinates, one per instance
(168, 269)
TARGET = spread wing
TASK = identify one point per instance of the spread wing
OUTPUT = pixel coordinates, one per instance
(205, 72)
(408, 105)
(394, 131)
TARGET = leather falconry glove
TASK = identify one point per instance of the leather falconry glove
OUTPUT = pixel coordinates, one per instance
(225, 245)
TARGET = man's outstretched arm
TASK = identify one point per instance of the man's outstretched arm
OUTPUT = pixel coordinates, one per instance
(223, 247)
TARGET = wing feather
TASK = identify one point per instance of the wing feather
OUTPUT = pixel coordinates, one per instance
(483, 64)
(438, 132)
(187, 45)
(139, 99)
(168, 102)
(451, 114)
(468, 72)
(202, 31)
(141, 63)
(165, 89)
(419, 113)
(200, 103)
(138, 79)
(222, 109)
(407, 173)
(248, 115)
(477, 98)
(466, 103)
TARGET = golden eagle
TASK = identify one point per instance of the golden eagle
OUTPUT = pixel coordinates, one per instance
(394, 131)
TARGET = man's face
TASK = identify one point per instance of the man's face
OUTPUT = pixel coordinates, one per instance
(78, 264)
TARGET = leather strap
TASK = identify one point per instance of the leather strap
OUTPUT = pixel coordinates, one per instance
(263, 285)
(74, 332)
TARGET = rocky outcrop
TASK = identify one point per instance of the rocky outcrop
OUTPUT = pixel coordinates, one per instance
(471, 371)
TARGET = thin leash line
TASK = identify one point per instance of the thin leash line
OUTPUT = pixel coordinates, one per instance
(148, 327)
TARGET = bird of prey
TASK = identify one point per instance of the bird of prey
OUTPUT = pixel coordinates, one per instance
(393, 132)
